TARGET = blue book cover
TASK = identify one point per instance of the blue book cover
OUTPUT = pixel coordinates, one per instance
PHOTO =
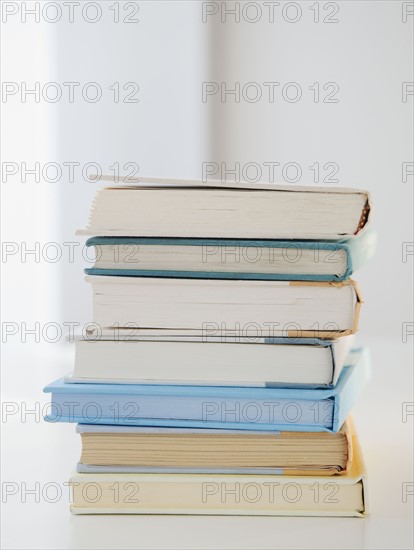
(241, 408)
(232, 258)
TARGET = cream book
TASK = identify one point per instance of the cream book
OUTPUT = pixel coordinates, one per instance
(268, 308)
(215, 494)
(127, 449)
(194, 209)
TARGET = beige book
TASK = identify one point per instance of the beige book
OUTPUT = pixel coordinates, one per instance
(133, 449)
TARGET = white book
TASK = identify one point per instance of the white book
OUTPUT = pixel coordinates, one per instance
(269, 362)
(211, 307)
(194, 209)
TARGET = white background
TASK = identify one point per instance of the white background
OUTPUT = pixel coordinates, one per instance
(170, 133)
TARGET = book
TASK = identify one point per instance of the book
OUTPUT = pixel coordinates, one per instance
(210, 306)
(223, 494)
(278, 409)
(127, 449)
(230, 259)
(194, 209)
(309, 362)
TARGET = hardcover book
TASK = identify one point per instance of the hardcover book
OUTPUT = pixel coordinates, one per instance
(218, 210)
(230, 259)
(126, 449)
(276, 308)
(266, 362)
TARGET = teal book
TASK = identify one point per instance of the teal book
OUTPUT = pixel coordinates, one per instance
(231, 258)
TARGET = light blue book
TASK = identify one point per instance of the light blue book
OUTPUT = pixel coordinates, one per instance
(231, 258)
(239, 408)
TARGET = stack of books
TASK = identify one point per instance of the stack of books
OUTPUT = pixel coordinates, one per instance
(219, 371)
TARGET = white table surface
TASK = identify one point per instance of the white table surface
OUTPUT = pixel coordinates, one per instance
(34, 451)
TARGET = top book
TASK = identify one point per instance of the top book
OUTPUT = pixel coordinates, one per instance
(194, 209)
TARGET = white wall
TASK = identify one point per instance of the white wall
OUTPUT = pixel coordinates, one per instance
(171, 132)
(164, 133)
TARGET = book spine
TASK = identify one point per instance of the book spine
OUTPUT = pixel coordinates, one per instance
(361, 250)
(349, 394)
